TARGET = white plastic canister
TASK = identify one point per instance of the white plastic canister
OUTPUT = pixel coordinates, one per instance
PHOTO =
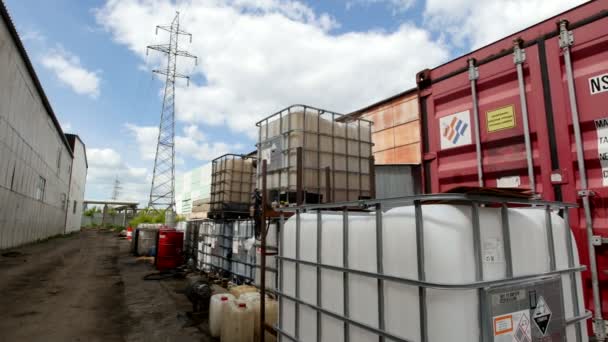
(218, 304)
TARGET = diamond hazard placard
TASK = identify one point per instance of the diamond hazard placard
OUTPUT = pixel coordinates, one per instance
(542, 315)
(513, 327)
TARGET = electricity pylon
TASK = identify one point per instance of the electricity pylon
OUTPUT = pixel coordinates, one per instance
(162, 193)
(116, 189)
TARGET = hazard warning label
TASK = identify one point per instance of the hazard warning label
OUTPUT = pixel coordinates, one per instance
(500, 119)
(542, 315)
(601, 127)
(513, 327)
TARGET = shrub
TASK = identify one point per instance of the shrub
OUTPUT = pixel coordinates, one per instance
(148, 216)
(92, 211)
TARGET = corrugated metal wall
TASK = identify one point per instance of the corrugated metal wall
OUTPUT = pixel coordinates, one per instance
(77, 187)
(396, 130)
(97, 219)
(397, 181)
(30, 148)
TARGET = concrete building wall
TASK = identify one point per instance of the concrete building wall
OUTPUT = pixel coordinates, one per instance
(35, 160)
(77, 187)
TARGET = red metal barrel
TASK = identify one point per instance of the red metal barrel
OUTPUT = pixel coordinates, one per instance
(170, 246)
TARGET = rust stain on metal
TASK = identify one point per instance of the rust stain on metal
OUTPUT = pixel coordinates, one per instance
(396, 130)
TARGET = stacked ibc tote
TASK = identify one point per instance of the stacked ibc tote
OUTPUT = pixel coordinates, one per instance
(529, 111)
(224, 241)
(306, 156)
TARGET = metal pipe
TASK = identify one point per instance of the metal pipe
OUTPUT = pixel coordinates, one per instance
(565, 41)
(297, 267)
(263, 252)
(372, 177)
(319, 273)
(433, 285)
(477, 252)
(550, 239)
(421, 270)
(506, 237)
(409, 200)
(345, 277)
(473, 76)
(380, 267)
(280, 265)
(573, 288)
(299, 176)
(519, 56)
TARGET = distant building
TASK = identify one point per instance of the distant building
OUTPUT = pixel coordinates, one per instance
(192, 186)
(35, 156)
(77, 183)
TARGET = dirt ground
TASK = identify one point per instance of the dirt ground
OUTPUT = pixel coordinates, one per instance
(86, 287)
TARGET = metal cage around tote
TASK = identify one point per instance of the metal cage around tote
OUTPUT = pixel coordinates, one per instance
(312, 158)
(378, 207)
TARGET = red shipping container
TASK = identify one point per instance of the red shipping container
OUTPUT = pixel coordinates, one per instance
(170, 246)
(550, 80)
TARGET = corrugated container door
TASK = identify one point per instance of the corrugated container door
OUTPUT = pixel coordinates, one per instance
(449, 116)
(588, 52)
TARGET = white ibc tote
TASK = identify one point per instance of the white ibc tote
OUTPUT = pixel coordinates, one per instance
(460, 257)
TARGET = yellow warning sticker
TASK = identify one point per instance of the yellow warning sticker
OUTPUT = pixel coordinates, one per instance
(501, 118)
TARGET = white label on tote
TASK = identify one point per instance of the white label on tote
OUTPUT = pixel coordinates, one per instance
(601, 126)
(492, 251)
(512, 327)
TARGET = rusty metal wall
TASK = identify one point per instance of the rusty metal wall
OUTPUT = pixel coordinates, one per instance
(396, 130)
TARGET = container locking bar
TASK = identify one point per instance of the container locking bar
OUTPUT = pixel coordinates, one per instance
(473, 76)
(519, 57)
(566, 39)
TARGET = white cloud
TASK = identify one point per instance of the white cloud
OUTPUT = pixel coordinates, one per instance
(477, 23)
(32, 35)
(68, 70)
(192, 143)
(396, 6)
(103, 157)
(66, 126)
(146, 138)
(106, 165)
(260, 56)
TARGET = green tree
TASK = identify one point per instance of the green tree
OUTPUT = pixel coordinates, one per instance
(90, 212)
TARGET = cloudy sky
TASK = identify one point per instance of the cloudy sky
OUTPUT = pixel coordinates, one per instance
(255, 57)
